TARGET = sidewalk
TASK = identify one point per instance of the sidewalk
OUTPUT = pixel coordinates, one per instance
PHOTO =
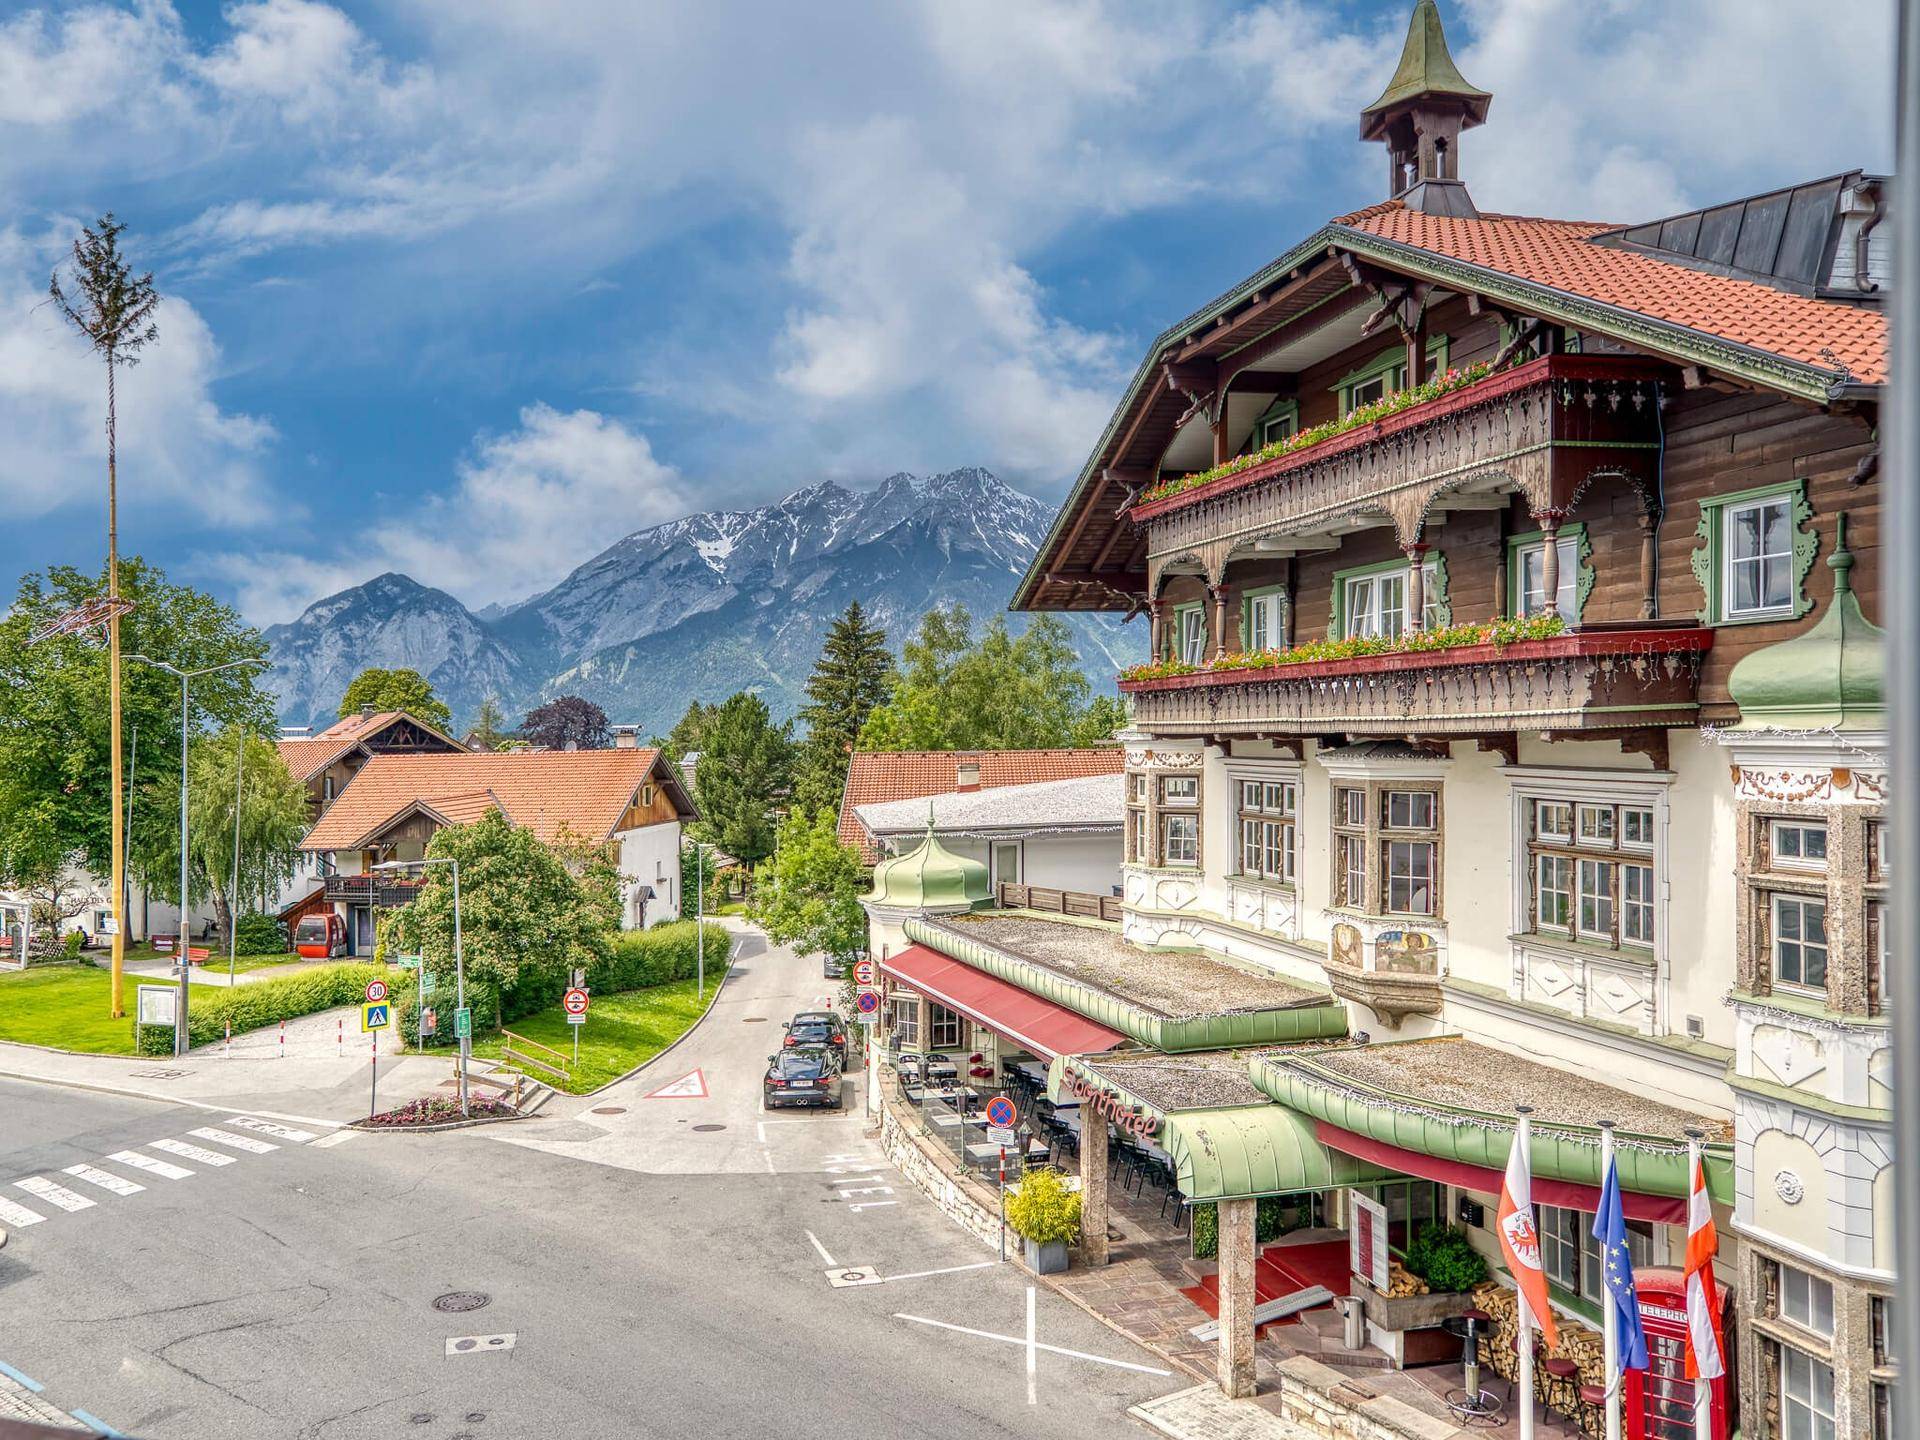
(314, 1077)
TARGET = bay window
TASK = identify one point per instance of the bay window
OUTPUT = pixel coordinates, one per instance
(1179, 828)
(1806, 1396)
(1799, 941)
(1394, 828)
(1139, 851)
(1797, 845)
(1267, 812)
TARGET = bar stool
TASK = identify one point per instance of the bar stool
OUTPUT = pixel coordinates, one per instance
(1593, 1411)
(1561, 1386)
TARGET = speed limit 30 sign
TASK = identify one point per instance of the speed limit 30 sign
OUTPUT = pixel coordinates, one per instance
(376, 991)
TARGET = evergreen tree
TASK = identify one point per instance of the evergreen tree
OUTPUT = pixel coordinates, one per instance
(688, 732)
(745, 769)
(849, 680)
(489, 726)
(1002, 692)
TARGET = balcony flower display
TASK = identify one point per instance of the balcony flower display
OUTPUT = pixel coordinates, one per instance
(1451, 637)
(1354, 419)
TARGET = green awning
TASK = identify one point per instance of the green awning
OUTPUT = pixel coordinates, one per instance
(1255, 1150)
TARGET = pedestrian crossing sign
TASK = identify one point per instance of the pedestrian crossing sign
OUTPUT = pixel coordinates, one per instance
(376, 1016)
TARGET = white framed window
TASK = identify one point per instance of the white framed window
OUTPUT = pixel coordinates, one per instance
(1409, 877)
(1408, 810)
(1597, 827)
(1636, 828)
(1179, 789)
(1351, 856)
(1595, 900)
(1800, 941)
(1533, 578)
(1553, 820)
(1806, 1396)
(906, 1022)
(1757, 542)
(1179, 839)
(1267, 813)
(1006, 866)
(1553, 892)
(1571, 1256)
(1265, 618)
(1365, 392)
(1190, 634)
(947, 1027)
(1352, 807)
(1806, 1300)
(1797, 844)
(1636, 904)
(1274, 427)
(1375, 606)
(1877, 935)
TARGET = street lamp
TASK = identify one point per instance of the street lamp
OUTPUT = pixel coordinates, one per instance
(700, 915)
(459, 960)
(186, 727)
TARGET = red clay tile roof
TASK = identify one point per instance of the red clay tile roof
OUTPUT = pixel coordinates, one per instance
(584, 791)
(308, 757)
(876, 775)
(1558, 254)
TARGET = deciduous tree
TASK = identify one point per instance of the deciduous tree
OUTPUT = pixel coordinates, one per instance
(273, 817)
(567, 720)
(808, 895)
(401, 689)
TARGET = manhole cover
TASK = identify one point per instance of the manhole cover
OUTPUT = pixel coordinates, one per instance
(608, 1110)
(461, 1301)
(709, 1127)
(754, 1020)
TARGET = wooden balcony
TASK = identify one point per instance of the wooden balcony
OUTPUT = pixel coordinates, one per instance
(1546, 429)
(1058, 902)
(379, 890)
(1626, 677)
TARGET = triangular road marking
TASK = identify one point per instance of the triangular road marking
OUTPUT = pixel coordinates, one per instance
(691, 1086)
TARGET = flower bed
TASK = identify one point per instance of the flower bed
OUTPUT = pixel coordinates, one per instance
(441, 1109)
(1498, 633)
(1355, 419)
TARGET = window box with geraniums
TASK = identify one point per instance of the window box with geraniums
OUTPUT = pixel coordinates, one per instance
(1497, 634)
(1045, 1213)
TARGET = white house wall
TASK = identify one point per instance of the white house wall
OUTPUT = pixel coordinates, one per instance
(650, 855)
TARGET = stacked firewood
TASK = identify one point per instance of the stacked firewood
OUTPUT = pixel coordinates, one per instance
(1402, 1281)
(1577, 1343)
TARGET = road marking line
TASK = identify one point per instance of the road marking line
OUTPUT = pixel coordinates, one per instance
(1032, 1346)
(191, 1152)
(949, 1270)
(234, 1142)
(871, 1204)
(1051, 1349)
(338, 1137)
(105, 1179)
(267, 1127)
(820, 1249)
(18, 1216)
(18, 1376)
(99, 1426)
(760, 1129)
(767, 1155)
(53, 1194)
(149, 1164)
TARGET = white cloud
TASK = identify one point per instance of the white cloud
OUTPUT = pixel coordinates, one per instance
(526, 507)
(178, 448)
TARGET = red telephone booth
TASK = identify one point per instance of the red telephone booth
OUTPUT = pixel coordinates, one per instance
(1658, 1404)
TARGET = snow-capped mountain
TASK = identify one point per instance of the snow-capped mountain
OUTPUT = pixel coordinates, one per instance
(698, 607)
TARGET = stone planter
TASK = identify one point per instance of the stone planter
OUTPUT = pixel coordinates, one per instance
(1046, 1257)
(1393, 1320)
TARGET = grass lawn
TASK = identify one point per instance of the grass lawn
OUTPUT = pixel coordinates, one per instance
(621, 1031)
(147, 955)
(65, 1006)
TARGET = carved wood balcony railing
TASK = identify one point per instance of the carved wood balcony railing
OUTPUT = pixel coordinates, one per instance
(1549, 427)
(1635, 676)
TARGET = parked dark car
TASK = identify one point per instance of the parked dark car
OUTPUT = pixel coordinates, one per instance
(818, 1027)
(834, 967)
(802, 1075)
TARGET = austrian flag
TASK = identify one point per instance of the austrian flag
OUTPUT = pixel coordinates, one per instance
(1703, 1299)
(1519, 1239)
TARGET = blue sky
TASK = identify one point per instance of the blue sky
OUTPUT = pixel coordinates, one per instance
(470, 288)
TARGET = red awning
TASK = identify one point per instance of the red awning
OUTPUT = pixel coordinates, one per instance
(1659, 1209)
(1043, 1027)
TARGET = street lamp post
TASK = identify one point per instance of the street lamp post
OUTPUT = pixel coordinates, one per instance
(186, 728)
(233, 900)
(459, 959)
(700, 916)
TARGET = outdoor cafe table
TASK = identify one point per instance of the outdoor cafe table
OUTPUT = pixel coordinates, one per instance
(987, 1154)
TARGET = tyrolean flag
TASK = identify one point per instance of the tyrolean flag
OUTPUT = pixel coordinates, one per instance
(1520, 1238)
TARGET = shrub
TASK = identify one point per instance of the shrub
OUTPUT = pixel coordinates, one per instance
(249, 1007)
(1442, 1256)
(260, 934)
(73, 944)
(1273, 1216)
(639, 958)
(1043, 1209)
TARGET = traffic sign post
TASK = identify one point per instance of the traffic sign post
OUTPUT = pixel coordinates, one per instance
(1002, 1112)
(375, 1015)
(574, 1002)
(376, 991)
(463, 1023)
(1003, 1204)
(863, 973)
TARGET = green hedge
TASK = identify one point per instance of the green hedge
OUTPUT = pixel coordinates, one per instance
(267, 1002)
(260, 934)
(1273, 1216)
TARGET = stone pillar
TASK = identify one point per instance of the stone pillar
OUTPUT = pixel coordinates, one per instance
(1222, 596)
(1416, 587)
(1649, 564)
(1236, 1298)
(924, 1013)
(1093, 1187)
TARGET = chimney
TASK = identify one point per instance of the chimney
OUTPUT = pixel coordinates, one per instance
(626, 739)
(967, 776)
(366, 712)
(1419, 117)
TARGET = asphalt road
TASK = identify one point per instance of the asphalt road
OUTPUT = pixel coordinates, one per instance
(657, 1279)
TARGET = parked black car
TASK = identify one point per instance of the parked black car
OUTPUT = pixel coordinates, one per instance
(818, 1027)
(802, 1075)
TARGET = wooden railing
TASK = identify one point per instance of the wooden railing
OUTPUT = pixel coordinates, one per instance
(1059, 902)
(515, 1054)
(370, 890)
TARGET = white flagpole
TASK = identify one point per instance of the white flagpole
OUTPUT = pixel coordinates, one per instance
(1610, 1312)
(1702, 1387)
(1523, 1340)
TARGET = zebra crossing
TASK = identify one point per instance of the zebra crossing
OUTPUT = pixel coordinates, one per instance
(33, 1199)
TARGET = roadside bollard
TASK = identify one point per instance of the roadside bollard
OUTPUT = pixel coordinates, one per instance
(229, 1039)
(283, 1039)
(340, 1031)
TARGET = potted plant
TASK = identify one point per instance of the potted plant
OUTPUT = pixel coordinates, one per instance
(1045, 1213)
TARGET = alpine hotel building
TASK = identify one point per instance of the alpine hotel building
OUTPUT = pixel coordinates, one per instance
(1513, 680)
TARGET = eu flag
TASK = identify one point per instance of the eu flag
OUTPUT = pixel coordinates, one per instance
(1610, 1229)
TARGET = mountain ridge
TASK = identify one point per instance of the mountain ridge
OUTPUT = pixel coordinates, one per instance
(733, 599)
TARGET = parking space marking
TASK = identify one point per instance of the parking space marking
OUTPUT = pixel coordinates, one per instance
(944, 1270)
(338, 1137)
(152, 1166)
(820, 1249)
(1037, 1345)
(106, 1180)
(847, 1277)
(45, 1189)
